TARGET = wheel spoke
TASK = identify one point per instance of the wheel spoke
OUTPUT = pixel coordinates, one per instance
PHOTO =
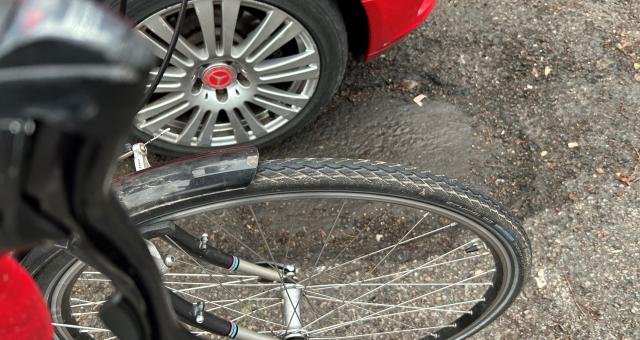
(236, 301)
(277, 304)
(87, 304)
(222, 284)
(226, 307)
(398, 243)
(264, 239)
(289, 31)
(400, 304)
(161, 105)
(439, 308)
(198, 264)
(159, 26)
(207, 130)
(289, 63)
(286, 97)
(280, 110)
(216, 283)
(359, 304)
(306, 73)
(160, 51)
(239, 131)
(378, 251)
(388, 282)
(364, 282)
(400, 285)
(163, 119)
(207, 275)
(206, 18)
(172, 80)
(230, 11)
(171, 74)
(249, 117)
(95, 280)
(385, 333)
(326, 239)
(84, 313)
(267, 27)
(166, 86)
(368, 311)
(94, 329)
(237, 239)
(192, 127)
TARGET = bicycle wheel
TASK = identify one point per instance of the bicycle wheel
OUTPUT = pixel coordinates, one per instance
(380, 251)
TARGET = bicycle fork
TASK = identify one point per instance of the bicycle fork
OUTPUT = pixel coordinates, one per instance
(196, 314)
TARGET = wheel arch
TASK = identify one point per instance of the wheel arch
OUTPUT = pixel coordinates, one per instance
(357, 26)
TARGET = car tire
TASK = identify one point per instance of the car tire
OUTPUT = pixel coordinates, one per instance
(322, 19)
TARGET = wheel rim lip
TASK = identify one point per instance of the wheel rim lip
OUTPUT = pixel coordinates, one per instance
(223, 135)
(503, 298)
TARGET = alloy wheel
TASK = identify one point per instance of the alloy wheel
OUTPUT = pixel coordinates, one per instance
(241, 70)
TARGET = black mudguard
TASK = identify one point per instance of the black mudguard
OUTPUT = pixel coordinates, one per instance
(169, 183)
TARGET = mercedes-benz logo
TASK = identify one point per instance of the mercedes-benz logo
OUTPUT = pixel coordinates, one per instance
(219, 77)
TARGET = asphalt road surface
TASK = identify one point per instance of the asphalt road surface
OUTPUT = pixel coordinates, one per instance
(538, 103)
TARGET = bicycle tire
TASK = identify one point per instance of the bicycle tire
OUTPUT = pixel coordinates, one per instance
(395, 182)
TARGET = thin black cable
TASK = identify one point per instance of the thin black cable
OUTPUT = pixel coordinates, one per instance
(167, 58)
(123, 7)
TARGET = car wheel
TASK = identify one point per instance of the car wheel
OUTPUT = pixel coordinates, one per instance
(244, 72)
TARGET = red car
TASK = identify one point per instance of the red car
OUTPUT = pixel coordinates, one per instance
(255, 71)
(390, 21)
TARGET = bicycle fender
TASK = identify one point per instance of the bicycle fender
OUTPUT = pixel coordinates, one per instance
(205, 173)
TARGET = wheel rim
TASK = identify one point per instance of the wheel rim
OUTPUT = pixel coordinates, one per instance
(497, 295)
(267, 64)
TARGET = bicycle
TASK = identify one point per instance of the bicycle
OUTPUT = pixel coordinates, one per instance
(283, 249)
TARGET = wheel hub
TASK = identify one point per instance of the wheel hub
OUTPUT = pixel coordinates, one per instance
(219, 76)
(292, 311)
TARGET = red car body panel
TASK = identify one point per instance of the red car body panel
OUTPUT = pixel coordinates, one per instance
(392, 20)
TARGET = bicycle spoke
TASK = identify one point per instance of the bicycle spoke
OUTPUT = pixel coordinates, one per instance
(203, 268)
(84, 313)
(439, 308)
(326, 240)
(380, 250)
(363, 282)
(226, 307)
(343, 299)
(260, 257)
(245, 299)
(379, 287)
(207, 275)
(93, 329)
(96, 280)
(264, 238)
(428, 272)
(398, 243)
(384, 333)
(257, 310)
(88, 303)
(401, 304)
